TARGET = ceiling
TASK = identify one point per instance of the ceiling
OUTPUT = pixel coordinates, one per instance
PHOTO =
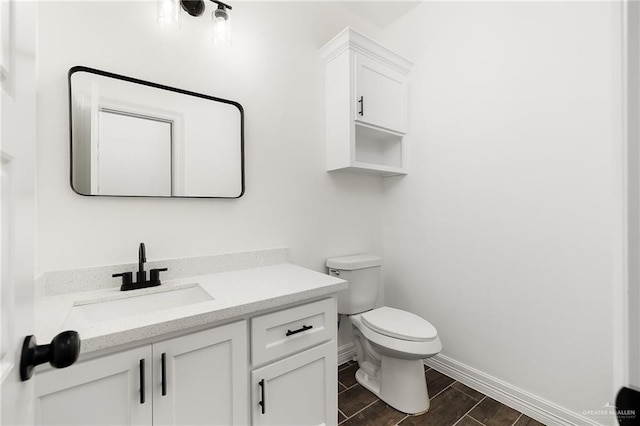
(380, 13)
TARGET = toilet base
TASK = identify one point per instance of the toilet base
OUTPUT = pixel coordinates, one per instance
(400, 383)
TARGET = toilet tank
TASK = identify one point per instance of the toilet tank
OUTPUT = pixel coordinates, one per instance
(362, 271)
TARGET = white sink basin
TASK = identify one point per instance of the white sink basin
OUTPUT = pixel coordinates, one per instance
(136, 302)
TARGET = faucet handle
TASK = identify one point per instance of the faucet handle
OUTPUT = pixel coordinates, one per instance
(127, 278)
(155, 274)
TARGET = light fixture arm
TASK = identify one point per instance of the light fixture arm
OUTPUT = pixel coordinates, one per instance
(196, 7)
(221, 4)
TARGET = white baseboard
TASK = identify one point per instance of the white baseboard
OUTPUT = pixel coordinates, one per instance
(346, 353)
(531, 405)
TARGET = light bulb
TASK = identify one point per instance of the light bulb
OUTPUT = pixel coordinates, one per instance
(221, 26)
(169, 14)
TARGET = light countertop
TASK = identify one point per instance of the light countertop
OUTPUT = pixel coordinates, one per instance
(235, 294)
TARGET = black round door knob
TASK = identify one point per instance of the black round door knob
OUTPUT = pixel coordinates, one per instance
(63, 351)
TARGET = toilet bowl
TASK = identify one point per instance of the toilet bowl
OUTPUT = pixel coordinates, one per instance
(390, 343)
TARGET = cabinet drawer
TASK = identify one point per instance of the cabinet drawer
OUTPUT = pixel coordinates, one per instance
(291, 330)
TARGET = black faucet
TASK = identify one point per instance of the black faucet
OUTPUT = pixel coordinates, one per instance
(141, 276)
(142, 258)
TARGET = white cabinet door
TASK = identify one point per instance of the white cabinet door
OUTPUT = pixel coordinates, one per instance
(381, 95)
(299, 390)
(101, 391)
(205, 378)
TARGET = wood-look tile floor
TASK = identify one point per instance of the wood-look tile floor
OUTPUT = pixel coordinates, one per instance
(452, 403)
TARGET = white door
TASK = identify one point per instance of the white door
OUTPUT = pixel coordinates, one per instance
(17, 202)
(201, 378)
(110, 390)
(381, 95)
(632, 12)
(298, 390)
(627, 361)
(133, 155)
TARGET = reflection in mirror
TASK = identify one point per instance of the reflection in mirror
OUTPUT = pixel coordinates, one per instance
(134, 138)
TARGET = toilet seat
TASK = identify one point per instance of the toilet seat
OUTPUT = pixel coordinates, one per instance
(399, 324)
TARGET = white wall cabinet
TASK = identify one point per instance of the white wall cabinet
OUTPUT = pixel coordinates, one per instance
(199, 378)
(366, 88)
(381, 95)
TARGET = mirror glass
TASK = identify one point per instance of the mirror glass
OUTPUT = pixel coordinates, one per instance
(135, 138)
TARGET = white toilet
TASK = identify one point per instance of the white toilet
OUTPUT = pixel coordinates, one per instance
(390, 343)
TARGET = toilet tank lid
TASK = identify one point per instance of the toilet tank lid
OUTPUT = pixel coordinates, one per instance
(358, 261)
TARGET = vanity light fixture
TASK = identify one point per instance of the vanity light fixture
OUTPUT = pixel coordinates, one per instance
(221, 24)
(169, 16)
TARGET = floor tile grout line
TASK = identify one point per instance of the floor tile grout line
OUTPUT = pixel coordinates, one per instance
(460, 390)
(450, 384)
(343, 415)
(472, 419)
(353, 385)
(519, 417)
(406, 416)
(470, 410)
(360, 411)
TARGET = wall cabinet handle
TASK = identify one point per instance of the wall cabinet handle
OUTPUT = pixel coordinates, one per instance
(164, 373)
(142, 381)
(262, 402)
(361, 102)
(300, 330)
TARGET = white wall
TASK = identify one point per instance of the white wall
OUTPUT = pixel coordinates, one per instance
(501, 234)
(273, 69)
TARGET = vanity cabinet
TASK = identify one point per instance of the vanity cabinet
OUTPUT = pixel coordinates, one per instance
(298, 390)
(204, 380)
(199, 378)
(366, 104)
(298, 386)
(205, 377)
(103, 390)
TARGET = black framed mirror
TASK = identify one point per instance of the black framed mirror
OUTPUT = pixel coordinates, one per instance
(134, 138)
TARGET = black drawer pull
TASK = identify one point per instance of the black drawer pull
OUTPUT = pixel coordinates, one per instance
(300, 330)
(142, 381)
(164, 373)
(262, 403)
(361, 102)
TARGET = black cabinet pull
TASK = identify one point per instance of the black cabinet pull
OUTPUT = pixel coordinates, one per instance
(300, 330)
(142, 381)
(164, 373)
(262, 403)
(361, 102)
